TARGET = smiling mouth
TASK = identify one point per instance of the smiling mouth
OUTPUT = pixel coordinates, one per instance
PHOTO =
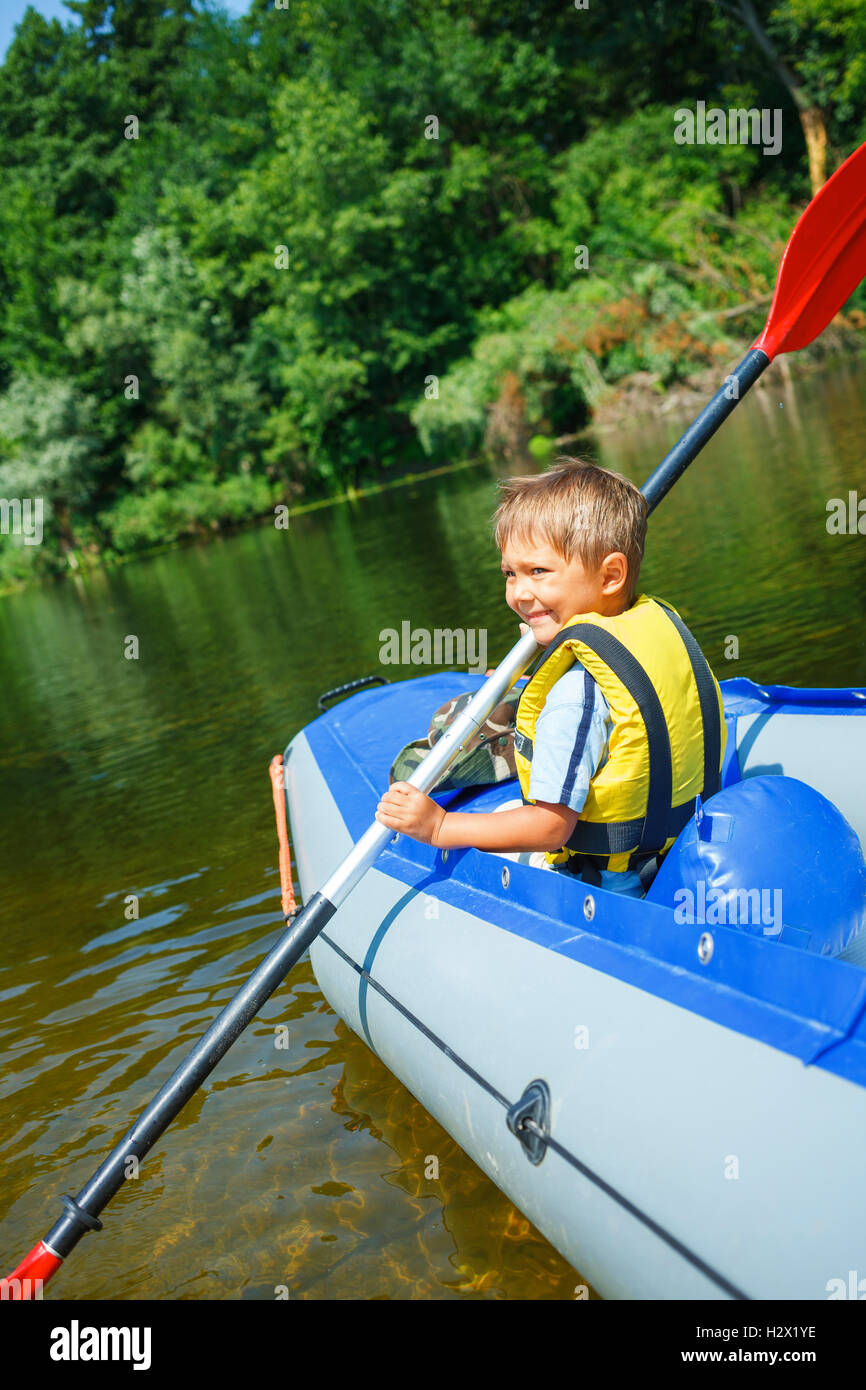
(536, 617)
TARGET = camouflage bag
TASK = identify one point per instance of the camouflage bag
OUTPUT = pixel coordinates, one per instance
(487, 757)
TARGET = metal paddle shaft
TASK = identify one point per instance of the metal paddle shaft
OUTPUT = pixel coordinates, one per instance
(824, 262)
(428, 772)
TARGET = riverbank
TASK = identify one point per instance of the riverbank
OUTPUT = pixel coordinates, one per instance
(638, 395)
(634, 398)
(80, 564)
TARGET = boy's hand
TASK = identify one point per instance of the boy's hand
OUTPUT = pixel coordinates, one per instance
(407, 810)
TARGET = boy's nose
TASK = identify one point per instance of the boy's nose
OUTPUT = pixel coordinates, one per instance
(522, 591)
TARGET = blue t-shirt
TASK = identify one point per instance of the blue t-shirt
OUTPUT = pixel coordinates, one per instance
(570, 745)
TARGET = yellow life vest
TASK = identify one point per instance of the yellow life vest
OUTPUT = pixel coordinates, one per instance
(668, 733)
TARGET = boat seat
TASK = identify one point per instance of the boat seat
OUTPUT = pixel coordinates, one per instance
(823, 750)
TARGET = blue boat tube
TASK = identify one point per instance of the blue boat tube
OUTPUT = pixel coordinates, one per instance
(771, 856)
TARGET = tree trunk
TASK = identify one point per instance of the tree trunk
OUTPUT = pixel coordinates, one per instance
(815, 131)
(811, 115)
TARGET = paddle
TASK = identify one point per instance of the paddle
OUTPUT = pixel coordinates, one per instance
(824, 262)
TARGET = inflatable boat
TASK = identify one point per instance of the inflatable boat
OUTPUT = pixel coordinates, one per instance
(674, 1094)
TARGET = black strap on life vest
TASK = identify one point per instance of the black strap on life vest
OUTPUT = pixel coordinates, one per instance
(662, 821)
(708, 701)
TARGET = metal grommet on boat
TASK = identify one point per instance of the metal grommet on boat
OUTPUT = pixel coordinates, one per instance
(589, 907)
(395, 838)
(505, 877)
(444, 856)
(529, 1120)
(705, 948)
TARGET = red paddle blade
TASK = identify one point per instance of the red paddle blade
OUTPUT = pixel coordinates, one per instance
(35, 1269)
(824, 261)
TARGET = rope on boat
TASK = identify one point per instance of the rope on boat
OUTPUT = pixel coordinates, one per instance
(287, 892)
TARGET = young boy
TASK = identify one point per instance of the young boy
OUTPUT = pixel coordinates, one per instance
(621, 726)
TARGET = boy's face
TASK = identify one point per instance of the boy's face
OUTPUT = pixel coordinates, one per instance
(546, 590)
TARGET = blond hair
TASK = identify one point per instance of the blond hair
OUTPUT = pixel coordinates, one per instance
(583, 511)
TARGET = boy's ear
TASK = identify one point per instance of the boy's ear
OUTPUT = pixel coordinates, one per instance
(614, 571)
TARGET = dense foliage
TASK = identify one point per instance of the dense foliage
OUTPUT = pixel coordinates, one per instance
(240, 262)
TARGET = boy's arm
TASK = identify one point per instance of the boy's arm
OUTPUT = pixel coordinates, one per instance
(570, 739)
(543, 826)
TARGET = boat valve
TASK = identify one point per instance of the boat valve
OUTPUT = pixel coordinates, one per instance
(529, 1120)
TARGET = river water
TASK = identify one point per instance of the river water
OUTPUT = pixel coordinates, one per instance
(301, 1172)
